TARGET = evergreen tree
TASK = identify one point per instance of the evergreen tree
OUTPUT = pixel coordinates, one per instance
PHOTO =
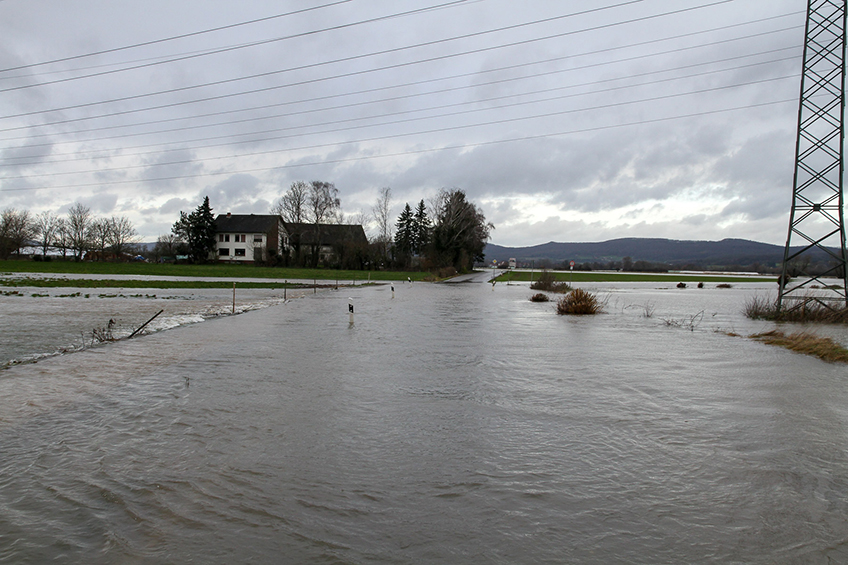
(405, 234)
(422, 229)
(197, 229)
(460, 233)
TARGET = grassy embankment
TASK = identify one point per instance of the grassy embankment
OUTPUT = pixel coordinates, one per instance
(607, 276)
(199, 272)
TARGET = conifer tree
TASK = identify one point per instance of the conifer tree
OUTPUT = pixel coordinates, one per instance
(405, 234)
(422, 229)
(197, 229)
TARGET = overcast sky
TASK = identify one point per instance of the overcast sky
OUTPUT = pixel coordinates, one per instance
(577, 120)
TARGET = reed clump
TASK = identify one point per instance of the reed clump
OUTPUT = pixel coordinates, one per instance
(809, 310)
(547, 281)
(579, 302)
(539, 297)
(804, 342)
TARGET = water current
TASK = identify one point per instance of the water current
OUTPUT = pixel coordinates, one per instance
(450, 423)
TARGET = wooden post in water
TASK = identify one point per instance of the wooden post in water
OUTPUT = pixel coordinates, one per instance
(285, 288)
(234, 298)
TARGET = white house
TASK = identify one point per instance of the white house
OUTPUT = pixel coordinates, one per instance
(249, 237)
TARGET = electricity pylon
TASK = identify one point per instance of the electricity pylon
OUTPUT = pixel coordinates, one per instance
(816, 219)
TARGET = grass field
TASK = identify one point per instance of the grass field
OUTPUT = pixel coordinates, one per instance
(203, 271)
(63, 282)
(608, 276)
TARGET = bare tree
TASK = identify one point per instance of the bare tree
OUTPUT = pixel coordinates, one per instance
(63, 236)
(122, 235)
(79, 230)
(170, 245)
(322, 205)
(322, 202)
(99, 236)
(47, 230)
(16, 228)
(292, 205)
(382, 215)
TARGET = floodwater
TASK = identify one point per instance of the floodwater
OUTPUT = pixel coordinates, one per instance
(448, 424)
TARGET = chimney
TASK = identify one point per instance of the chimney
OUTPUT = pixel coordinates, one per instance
(229, 215)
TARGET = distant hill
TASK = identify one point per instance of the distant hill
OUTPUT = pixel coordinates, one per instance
(668, 251)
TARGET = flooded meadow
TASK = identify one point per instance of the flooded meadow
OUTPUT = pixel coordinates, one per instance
(445, 423)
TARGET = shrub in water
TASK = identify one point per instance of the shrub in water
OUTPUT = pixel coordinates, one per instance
(539, 297)
(580, 302)
(547, 281)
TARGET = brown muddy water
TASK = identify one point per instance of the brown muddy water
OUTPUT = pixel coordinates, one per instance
(448, 424)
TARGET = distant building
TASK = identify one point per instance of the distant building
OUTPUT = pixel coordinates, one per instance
(256, 237)
(512, 263)
(328, 241)
(249, 237)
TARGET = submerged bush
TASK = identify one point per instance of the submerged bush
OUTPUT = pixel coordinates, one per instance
(547, 281)
(579, 302)
(539, 297)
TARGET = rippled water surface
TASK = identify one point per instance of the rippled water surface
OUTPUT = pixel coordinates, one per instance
(448, 424)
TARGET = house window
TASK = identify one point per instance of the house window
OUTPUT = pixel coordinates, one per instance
(223, 251)
(239, 252)
(239, 238)
(226, 237)
(220, 237)
(257, 238)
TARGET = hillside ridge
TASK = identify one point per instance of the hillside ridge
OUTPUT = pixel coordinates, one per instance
(730, 251)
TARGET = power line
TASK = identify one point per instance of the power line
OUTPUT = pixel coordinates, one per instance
(367, 71)
(499, 121)
(172, 38)
(79, 154)
(417, 151)
(431, 80)
(236, 47)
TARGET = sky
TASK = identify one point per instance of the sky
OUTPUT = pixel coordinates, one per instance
(567, 121)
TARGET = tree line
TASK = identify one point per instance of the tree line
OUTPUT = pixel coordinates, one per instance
(78, 233)
(449, 232)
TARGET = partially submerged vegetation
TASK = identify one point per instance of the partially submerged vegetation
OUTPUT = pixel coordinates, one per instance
(548, 282)
(804, 342)
(766, 308)
(579, 302)
(539, 297)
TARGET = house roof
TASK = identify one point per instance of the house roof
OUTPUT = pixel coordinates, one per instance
(245, 223)
(329, 234)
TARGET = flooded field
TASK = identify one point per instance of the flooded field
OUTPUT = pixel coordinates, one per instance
(39, 322)
(450, 423)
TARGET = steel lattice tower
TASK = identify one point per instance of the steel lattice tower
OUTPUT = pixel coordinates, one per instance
(816, 220)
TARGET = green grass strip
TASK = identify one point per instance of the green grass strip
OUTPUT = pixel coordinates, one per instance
(214, 270)
(135, 283)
